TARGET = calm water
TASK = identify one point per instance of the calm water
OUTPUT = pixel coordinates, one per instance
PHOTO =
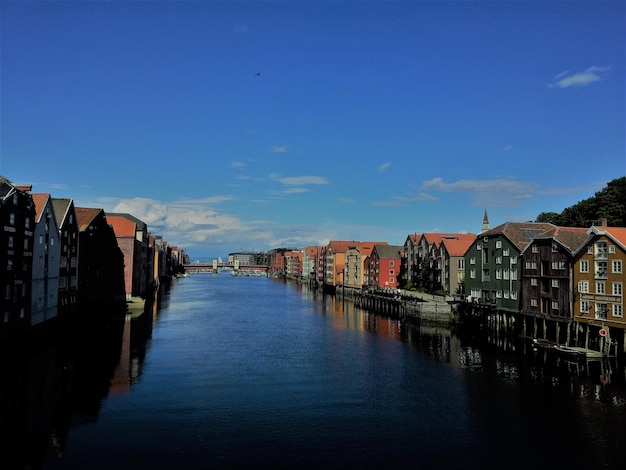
(234, 372)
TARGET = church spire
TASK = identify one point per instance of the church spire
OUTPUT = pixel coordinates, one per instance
(485, 222)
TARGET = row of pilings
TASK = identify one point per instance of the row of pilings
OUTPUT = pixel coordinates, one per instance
(498, 327)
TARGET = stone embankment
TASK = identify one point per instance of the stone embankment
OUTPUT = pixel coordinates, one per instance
(426, 308)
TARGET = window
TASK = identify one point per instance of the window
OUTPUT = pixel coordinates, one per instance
(505, 252)
(472, 260)
(531, 265)
(513, 259)
(533, 281)
(513, 274)
(590, 250)
(600, 287)
(513, 295)
(507, 295)
(584, 266)
(498, 259)
(584, 306)
(616, 266)
(617, 310)
(601, 311)
(391, 272)
(479, 246)
(555, 305)
(12, 218)
(472, 274)
(460, 263)
(617, 288)
(499, 244)
(506, 274)
(555, 283)
(27, 223)
(498, 294)
(534, 249)
(391, 263)
(498, 274)
(583, 287)
(612, 249)
(10, 241)
(555, 247)
(534, 303)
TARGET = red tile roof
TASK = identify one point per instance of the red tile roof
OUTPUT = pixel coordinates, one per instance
(40, 200)
(85, 216)
(456, 247)
(122, 226)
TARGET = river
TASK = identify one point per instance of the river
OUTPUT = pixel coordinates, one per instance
(236, 372)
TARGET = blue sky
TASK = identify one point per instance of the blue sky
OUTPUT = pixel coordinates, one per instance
(231, 126)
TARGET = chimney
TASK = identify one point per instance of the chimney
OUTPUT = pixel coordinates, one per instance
(24, 187)
(603, 222)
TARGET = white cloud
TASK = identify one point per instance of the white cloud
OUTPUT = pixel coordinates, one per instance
(237, 164)
(384, 166)
(280, 149)
(487, 193)
(302, 180)
(579, 79)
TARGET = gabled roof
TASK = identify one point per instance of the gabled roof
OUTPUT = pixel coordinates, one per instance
(456, 247)
(85, 216)
(437, 238)
(61, 208)
(570, 237)
(141, 225)
(617, 234)
(122, 226)
(519, 233)
(40, 200)
(388, 251)
(6, 187)
(341, 246)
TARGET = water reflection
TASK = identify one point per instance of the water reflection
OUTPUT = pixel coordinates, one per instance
(57, 381)
(49, 388)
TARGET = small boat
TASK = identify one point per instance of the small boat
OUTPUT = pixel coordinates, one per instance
(539, 343)
(580, 352)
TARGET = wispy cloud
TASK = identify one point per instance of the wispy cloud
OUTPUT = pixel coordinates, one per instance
(280, 149)
(487, 193)
(295, 190)
(346, 200)
(302, 180)
(237, 164)
(398, 201)
(384, 167)
(579, 79)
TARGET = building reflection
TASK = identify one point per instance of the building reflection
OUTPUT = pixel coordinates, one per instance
(53, 383)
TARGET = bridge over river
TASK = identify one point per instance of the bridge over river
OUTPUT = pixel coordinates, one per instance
(215, 267)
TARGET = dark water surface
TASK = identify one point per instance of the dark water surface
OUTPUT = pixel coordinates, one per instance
(237, 372)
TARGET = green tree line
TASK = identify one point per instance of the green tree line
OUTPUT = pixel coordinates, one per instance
(609, 204)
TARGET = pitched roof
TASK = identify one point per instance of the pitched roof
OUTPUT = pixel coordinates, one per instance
(6, 187)
(141, 225)
(570, 237)
(519, 233)
(122, 226)
(61, 207)
(618, 234)
(436, 238)
(456, 247)
(85, 216)
(40, 200)
(388, 251)
(341, 246)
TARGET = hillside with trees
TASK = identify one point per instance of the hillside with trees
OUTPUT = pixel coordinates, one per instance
(609, 204)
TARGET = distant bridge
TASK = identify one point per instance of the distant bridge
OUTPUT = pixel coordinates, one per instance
(216, 267)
